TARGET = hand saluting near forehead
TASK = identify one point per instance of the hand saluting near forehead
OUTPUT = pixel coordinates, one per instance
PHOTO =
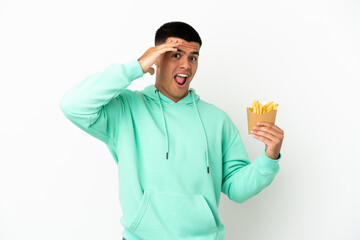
(150, 56)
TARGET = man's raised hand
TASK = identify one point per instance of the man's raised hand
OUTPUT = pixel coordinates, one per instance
(150, 56)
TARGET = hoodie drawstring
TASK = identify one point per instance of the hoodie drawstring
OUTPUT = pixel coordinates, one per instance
(202, 126)
(204, 133)
(165, 129)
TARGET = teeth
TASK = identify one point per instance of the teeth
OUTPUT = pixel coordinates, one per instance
(182, 75)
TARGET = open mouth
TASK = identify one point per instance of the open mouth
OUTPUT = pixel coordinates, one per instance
(180, 79)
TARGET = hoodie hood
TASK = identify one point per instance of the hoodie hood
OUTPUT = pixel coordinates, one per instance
(190, 99)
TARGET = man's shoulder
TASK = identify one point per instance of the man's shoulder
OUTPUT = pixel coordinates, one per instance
(128, 94)
(213, 109)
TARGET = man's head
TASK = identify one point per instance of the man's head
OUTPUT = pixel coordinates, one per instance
(175, 70)
(177, 29)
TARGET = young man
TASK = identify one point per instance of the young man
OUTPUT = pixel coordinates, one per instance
(175, 153)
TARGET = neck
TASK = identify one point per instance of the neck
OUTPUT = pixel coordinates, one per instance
(165, 93)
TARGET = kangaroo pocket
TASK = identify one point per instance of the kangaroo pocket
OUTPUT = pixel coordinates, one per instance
(173, 216)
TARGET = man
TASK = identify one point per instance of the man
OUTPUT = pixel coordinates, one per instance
(175, 153)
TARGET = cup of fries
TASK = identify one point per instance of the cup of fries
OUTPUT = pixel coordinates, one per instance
(261, 113)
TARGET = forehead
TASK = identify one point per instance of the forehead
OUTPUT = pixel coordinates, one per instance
(185, 45)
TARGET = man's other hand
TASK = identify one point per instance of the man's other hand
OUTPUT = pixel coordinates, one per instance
(271, 135)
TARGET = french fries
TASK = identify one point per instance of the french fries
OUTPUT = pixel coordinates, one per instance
(259, 108)
(261, 113)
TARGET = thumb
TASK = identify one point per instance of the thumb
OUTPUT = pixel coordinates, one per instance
(151, 70)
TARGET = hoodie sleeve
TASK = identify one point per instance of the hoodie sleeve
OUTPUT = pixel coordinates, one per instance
(241, 178)
(93, 105)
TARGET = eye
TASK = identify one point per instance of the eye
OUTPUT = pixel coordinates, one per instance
(192, 59)
(176, 55)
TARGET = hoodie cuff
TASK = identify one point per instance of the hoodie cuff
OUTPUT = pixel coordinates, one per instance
(266, 164)
(133, 70)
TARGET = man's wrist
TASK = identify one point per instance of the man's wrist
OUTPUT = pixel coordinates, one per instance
(272, 154)
(133, 70)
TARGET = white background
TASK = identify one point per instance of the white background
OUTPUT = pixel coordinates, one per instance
(57, 182)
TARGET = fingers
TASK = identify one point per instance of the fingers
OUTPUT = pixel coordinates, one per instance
(184, 44)
(164, 49)
(265, 131)
(264, 139)
(263, 136)
(268, 131)
(271, 125)
(168, 46)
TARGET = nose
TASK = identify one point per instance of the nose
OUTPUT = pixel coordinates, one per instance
(184, 64)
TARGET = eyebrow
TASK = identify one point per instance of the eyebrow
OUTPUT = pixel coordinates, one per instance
(179, 50)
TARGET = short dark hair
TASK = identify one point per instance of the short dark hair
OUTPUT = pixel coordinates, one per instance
(177, 29)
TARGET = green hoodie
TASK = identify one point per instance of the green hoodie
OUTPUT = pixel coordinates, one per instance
(173, 159)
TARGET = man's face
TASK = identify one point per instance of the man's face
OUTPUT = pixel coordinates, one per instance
(175, 70)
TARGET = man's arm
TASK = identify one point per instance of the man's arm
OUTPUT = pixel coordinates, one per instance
(92, 104)
(242, 179)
